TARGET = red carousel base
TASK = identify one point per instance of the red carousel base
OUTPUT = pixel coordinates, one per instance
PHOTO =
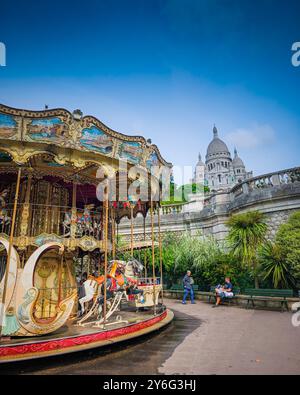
(74, 338)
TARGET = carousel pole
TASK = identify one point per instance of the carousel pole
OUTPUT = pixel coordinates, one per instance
(60, 271)
(153, 257)
(113, 234)
(117, 241)
(74, 211)
(160, 257)
(145, 255)
(131, 231)
(12, 229)
(105, 253)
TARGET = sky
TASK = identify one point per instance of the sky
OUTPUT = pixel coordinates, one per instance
(165, 69)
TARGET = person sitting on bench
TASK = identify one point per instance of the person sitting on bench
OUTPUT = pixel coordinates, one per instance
(222, 292)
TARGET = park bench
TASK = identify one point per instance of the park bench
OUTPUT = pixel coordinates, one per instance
(236, 291)
(178, 289)
(279, 295)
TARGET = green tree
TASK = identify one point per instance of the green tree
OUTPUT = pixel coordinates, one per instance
(288, 239)
(246, 234)
(274, 267)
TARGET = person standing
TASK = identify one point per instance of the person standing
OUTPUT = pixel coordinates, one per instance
(188, 287)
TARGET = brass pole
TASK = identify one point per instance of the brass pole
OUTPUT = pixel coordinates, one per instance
(153, 257)
(131, 233)
(105, 255)
(60, 271)
(74, 212)
(117, 244)
(145, 250)
(11, 237)
(160, 257)
(113, 234)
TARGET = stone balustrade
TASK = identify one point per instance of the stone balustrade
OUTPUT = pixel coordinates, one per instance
(269, 180)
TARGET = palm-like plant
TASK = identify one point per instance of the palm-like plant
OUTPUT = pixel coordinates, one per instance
(273, 265)
(246, 234)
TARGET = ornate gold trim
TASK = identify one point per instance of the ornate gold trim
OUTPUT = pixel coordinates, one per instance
(74, 128)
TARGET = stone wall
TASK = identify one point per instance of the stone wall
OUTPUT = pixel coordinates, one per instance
(277, 195)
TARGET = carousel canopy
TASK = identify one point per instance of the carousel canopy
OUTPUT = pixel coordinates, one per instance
(65, 133)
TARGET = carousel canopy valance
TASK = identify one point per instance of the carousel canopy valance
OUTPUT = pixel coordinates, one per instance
(61, 128)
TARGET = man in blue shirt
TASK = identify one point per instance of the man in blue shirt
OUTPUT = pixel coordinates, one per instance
(225, 291)
(188, 287)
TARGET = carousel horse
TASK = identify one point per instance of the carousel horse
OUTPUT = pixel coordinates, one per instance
(90, 287)
(67, 223)
(84, 223)
(120, 273)
(4, 217)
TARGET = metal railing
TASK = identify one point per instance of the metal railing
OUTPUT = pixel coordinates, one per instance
(52, 219)
(148, 281)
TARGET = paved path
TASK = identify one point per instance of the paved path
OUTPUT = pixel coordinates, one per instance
(231, 340)
(201, 340)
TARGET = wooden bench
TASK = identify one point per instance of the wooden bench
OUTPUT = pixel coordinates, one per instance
(279, 295)
(236, 291)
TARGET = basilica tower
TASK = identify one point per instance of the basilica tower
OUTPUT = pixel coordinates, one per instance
(221, 172)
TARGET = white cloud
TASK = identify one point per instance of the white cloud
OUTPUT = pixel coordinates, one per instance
(252, 137)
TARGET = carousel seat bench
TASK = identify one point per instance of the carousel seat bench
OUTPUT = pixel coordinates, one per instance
(276, 295)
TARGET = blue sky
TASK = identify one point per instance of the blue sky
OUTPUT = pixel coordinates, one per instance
(166, 69)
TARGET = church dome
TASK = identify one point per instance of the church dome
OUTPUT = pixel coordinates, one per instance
(217, 147)
(200, 163)
(237, 161)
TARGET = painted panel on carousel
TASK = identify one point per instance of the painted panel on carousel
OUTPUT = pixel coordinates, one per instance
(132, 151)
(48, 130)
(94, 139)
(8, 126)
(152, 160)
(46, 238)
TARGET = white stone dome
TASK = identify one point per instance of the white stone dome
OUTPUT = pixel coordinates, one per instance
(237, 161)
(217, 147)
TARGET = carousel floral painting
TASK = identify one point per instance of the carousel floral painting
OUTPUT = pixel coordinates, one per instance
(8, 126)
(52, 129)
(95, 139)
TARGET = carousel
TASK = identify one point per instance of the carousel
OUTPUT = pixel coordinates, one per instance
(68, 281)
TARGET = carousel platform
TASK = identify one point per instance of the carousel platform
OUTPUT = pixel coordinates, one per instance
(73, 338)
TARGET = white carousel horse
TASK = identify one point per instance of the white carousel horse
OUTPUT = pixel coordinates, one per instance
(133, 268)
(67, 223)
(90, 287)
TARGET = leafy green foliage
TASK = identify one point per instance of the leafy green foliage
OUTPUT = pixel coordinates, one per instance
(179, 194)
(273, 266)
(288, 239)
(246, 256)
(246, 234)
